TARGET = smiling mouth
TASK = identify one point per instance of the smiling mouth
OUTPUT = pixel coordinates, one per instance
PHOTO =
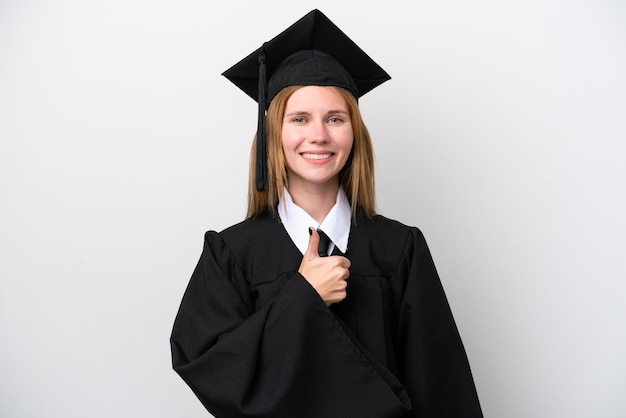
(310, 156)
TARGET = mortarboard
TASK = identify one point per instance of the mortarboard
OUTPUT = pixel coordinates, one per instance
(311, 52)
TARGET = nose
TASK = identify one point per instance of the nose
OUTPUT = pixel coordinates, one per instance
(318, 134)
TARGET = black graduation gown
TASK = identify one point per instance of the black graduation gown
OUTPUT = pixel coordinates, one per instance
(252, 338)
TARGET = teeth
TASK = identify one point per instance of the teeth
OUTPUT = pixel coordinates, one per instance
(316, 156)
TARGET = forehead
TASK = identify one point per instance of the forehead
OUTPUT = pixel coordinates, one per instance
(312, 98)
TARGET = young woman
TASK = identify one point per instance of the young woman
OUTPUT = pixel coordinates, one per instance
(270, 326)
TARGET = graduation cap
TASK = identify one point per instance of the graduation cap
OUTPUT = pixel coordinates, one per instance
(311, 52)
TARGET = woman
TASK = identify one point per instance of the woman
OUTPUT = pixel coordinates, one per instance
(270, 326)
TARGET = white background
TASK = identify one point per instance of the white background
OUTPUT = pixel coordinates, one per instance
(501, 135)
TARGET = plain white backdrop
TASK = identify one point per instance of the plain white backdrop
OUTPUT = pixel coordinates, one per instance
(501, 135)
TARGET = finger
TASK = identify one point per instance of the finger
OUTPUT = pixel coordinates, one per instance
(314, 240)
(343, 261)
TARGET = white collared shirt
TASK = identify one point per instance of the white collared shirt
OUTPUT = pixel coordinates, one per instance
(297, 222)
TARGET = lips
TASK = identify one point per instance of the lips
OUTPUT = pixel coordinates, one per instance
(316, 156)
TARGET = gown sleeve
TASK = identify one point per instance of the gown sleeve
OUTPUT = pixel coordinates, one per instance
(290, 358)
(435, 370)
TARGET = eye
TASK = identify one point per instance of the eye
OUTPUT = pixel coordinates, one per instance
(335, 119)
(298, 119)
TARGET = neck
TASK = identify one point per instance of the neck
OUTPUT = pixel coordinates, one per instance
(315, 200)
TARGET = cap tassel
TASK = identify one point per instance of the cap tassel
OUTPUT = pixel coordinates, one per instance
(261, 141)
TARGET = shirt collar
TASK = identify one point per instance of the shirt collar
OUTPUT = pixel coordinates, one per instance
(336, 224)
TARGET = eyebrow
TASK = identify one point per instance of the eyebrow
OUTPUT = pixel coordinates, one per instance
(330, 112)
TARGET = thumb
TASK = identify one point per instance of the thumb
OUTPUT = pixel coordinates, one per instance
(314, 240)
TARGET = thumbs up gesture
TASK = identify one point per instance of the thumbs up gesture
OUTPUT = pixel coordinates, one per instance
(327, 275)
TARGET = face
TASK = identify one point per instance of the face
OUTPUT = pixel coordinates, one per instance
(317, 137)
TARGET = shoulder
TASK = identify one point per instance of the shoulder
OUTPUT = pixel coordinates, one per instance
(250, 227)
(386, 229)
(249, 230)
(251, 236)
(394, 235)
(387, 243)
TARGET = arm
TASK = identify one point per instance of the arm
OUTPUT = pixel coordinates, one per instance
(438, 376)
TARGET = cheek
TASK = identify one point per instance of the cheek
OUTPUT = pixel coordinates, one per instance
(347, 142)
(288, 145)
(287, 140)
(347, 148)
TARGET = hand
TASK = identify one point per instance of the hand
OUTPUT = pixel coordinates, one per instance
(327, 275)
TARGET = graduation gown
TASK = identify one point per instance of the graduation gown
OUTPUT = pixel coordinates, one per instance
(252, 338)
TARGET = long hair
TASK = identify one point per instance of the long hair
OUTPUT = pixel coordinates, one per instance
(356, 177)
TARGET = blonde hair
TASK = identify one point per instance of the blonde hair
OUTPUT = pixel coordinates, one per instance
(356, 177)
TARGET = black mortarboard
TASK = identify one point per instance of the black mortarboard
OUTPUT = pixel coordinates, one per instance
(312, 51)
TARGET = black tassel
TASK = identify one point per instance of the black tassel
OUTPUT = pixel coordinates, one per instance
(261, 141)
